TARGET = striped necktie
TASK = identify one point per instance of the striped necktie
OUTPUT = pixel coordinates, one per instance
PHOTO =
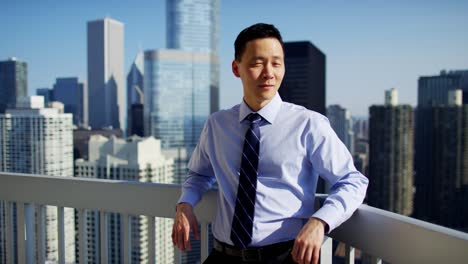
(242, 222)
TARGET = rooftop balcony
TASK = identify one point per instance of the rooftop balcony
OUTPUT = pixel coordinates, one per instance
(384, 235)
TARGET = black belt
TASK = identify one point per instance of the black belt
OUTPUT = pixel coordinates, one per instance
(254, 254)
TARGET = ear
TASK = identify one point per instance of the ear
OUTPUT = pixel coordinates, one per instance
(235, 68)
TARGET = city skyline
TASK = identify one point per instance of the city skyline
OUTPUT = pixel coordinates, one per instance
(370, 46)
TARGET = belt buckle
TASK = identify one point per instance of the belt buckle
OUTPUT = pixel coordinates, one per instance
(253, 255)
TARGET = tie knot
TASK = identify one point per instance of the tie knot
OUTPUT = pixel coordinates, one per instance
(254, 118)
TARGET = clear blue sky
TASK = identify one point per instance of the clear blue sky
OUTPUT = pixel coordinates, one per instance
(371, 45)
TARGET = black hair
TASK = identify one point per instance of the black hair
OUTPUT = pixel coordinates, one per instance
(256, 31)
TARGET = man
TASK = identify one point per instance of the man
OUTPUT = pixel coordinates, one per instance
(266, 156)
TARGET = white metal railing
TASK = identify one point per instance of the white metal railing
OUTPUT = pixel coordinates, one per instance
(385, 235)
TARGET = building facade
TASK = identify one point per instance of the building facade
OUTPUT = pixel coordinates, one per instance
(38, 140)
(391, 158)
(304, 81)
(432, 91)
(135, 96)
(137, 159)
(194, 25)
(106, 74)
(47, 93)
(74, 96)
(342, 124)
(13, 82)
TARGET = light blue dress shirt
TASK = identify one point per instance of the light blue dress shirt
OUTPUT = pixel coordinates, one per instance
(296, 146)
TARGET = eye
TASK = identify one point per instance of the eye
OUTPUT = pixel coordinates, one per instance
(256, 64)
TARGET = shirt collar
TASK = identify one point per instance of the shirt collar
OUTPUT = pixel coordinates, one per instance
(268, 112)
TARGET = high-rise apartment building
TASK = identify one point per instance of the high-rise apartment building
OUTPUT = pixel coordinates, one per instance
(13, 82)
(391, 157)
(106, 74)
(450, 150)
(135, 96)
(304, 81)
(432, 91)
(342, 124)
(73, 95)
(137, 159)
(38, 140)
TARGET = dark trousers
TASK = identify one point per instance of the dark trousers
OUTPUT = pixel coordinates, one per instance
(282, 257)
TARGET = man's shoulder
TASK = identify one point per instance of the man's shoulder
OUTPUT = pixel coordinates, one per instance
(301, 112)
(225, 114)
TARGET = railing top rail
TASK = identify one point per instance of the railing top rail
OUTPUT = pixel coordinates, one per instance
(393, 237)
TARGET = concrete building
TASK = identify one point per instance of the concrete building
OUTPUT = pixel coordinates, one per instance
(38, 140)
(106, 90)
(137, 159)
(391, 157)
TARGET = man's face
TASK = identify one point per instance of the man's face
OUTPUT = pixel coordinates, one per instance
(261, 69)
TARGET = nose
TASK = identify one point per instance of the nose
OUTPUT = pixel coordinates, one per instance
(268, 72)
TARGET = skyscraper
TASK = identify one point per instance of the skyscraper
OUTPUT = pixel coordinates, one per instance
(13, 82)
(135, 96)
(73, 94)
(391, 156)
(304, 81)
(342, 124)
(38, 140)
(432, 91)
(450, 150)
(105, 74)
(138, 159)
(47, 93)
(193, 25)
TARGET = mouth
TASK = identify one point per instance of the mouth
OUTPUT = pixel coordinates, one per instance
(266, 86)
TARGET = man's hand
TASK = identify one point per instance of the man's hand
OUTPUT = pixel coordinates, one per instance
(307, 245)
(185, 220)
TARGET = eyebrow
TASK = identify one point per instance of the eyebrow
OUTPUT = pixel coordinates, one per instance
(263, 58)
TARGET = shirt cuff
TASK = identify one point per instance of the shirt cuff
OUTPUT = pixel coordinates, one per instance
(329, 215)
(189, 197)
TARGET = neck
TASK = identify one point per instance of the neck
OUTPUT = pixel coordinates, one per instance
(256, 105)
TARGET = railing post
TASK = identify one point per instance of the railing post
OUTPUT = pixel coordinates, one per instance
(82, 235)
(151, 238)
(204, 241)
(21, 233)
(61, 235)
(349, 257)
(40, 229)
(326, 252)
(376, 260)
(10, 251)
(126, 238)
(103, 236)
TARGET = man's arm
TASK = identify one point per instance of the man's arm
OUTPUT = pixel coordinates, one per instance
(334, 163)
(200, 178)
(185, 220)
